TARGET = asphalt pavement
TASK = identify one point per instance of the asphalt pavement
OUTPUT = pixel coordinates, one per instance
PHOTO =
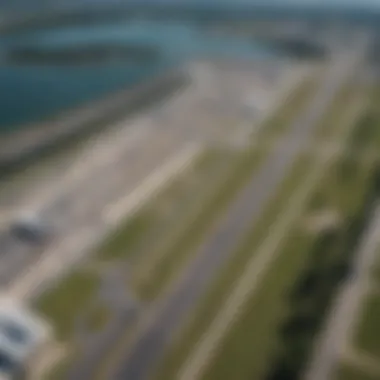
(157, 331)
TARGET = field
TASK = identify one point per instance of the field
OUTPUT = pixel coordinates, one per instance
(367, 337)
(249, 346)
(159, 240)
(346, 372)
(213, 301)
(363, 360)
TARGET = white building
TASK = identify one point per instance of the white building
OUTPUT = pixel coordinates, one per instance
(23, 337)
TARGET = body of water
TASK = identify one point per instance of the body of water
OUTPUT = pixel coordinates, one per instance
(31, 93)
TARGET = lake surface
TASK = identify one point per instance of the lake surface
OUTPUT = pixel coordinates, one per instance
(33, 93)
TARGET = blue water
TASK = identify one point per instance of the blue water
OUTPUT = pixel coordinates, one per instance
(33, 93)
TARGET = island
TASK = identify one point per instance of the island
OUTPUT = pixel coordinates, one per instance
(83, 55)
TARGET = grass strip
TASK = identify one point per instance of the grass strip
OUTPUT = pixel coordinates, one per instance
(249, 345)
(184, 217)
(191, 238)
(130, 233)
(367, 337)
(375, 271)
(366, 136)
(345, 97)
(125, 241)
(289, 109)
(344, 186)
(126, 238)
(149, 223)
(97, 318)
(349, 372)
(184, 245)
(180, 351)
(62, 305)
(67, 300)
(215, 296)
(251, 358)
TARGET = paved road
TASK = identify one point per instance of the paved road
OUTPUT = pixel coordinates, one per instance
(156, 334)
(345, 311)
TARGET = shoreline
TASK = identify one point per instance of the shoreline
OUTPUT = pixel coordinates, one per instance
(77, 55)
(36, 138)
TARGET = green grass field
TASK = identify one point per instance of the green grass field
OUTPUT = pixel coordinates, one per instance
(186, 243)
(250, 344)
(65, 301)
(248, 347)
(130, 240)
(375, 271)
(367, 337)
(191, 214)
(147, 224)
(344, 186)
(347, 372)
(62, 305)
(178, 251)
(331, 123)
(214, 298)
(97, 318)
(243, 166)
(289, 109)
(157, 217)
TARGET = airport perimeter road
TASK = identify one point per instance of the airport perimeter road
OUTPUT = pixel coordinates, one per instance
(157, 330)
